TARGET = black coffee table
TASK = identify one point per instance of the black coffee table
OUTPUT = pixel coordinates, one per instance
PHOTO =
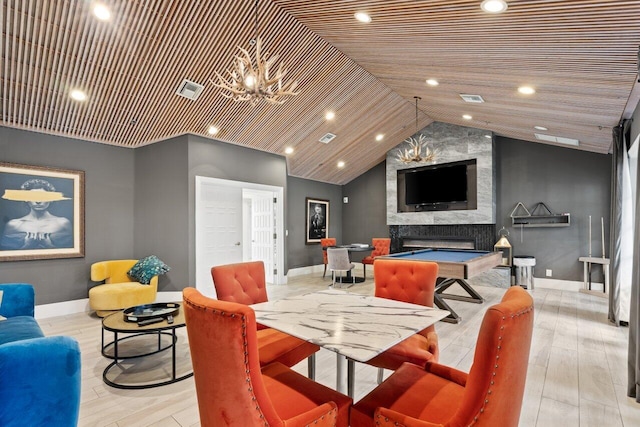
(117, 324)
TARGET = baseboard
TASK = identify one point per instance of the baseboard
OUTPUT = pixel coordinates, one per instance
(302, 271)
(44, 311)
(560, 285)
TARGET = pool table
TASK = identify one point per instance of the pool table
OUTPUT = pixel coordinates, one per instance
(454, 266)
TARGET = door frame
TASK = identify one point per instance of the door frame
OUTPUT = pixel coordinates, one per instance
(279, 278)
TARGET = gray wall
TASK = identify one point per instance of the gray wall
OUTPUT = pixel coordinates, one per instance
(566, 180)
(299, 253)
(365, 216)
(162, 209)
(109, 210)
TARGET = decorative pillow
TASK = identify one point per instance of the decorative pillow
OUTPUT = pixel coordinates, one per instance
(144, 270)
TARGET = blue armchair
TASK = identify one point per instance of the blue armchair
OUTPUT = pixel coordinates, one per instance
(39, 376)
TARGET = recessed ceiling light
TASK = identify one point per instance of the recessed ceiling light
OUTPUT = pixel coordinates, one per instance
(101, 12)
(362, 17)
(340, 164)
(78, 95)
(467, 117)
(432, 82)
(540, 128)
(288, 150)
(494, 6)
(213, 130)
(526, 90)
(330, 115)
(379, 137)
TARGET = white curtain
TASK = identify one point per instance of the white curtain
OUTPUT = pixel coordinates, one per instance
(629, 170)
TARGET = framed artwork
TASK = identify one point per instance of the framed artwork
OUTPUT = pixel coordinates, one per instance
(317, 220)
(41, 213)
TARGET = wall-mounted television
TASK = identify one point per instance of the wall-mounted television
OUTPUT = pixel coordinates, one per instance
(445, 186)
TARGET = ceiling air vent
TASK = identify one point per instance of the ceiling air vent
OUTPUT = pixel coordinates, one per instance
(327, 138)
(189, 89)
(477, 99)
(558, 139)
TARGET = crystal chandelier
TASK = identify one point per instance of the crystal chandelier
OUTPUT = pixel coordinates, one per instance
(414, 154)
(254, 81)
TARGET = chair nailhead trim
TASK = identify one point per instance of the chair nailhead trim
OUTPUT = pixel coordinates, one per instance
(499, 347)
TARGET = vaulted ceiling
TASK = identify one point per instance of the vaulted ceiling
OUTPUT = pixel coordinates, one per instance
(581, 57)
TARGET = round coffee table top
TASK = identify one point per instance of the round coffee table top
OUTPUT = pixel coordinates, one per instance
(115, 323)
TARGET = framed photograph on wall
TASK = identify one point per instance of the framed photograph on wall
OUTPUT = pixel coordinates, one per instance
(41, 213)
(317, 220)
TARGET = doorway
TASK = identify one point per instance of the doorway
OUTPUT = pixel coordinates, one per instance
(236, 222)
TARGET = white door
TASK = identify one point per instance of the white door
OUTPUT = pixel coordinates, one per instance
(262, 231)
(219, 233)
(218, 230)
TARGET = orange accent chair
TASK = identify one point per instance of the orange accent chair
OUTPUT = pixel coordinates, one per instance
(231, 387)
(329, 241)
(381, 246)
(244, 283)
(437, 395)
(413, 282)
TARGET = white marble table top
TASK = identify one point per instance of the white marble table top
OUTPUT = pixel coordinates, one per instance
(356, 326)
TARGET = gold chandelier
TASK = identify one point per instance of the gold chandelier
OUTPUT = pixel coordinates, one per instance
(251, 82)
(414, 154)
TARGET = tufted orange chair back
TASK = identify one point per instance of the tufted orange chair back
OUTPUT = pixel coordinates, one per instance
(407, 281)
(329, 241)
(495, 385)
(230, 387)
(243, 282)
(381, 246)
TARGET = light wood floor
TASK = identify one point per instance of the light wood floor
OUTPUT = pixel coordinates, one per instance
(577, 369)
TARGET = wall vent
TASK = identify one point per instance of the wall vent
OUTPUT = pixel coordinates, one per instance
(327, 138)
(189, 89)
(558, 139)
(477, 99)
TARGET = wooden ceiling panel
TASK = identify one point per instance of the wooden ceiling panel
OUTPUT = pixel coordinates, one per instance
(581, 56)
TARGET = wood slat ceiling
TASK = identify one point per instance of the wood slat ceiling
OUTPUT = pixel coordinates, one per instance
(581, 56)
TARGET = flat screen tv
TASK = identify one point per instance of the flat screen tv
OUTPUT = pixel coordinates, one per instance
(446, 186)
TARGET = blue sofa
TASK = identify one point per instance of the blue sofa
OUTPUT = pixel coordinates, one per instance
(39, 376)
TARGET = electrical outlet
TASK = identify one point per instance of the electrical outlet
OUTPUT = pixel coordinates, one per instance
(549, 273)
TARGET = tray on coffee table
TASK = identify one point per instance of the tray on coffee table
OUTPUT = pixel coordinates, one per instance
(150, 311)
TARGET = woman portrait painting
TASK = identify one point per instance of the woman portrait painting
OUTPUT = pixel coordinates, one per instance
(41, 212)
(38, 228)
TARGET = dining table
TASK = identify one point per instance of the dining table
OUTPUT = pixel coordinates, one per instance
(356, 327)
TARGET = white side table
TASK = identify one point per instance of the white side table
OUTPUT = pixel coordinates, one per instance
(604, 262)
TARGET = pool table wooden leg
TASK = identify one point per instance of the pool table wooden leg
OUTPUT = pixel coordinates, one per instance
(474, 296)
(440, 303)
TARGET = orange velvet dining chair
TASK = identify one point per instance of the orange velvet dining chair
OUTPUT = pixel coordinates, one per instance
(437, 395)
(231, 387)
(324, 243)
(245, 283)
(413, 282)
(381, 246)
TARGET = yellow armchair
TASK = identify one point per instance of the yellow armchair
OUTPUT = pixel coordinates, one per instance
(118, 291)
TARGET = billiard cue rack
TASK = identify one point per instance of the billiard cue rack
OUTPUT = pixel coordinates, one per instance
(535, 219)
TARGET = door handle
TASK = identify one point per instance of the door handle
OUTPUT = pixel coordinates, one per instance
(238, 244)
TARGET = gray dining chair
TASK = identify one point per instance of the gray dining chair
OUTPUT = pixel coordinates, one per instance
(338, 261)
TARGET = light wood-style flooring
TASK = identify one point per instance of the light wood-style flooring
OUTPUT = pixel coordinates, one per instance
(577, 368)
